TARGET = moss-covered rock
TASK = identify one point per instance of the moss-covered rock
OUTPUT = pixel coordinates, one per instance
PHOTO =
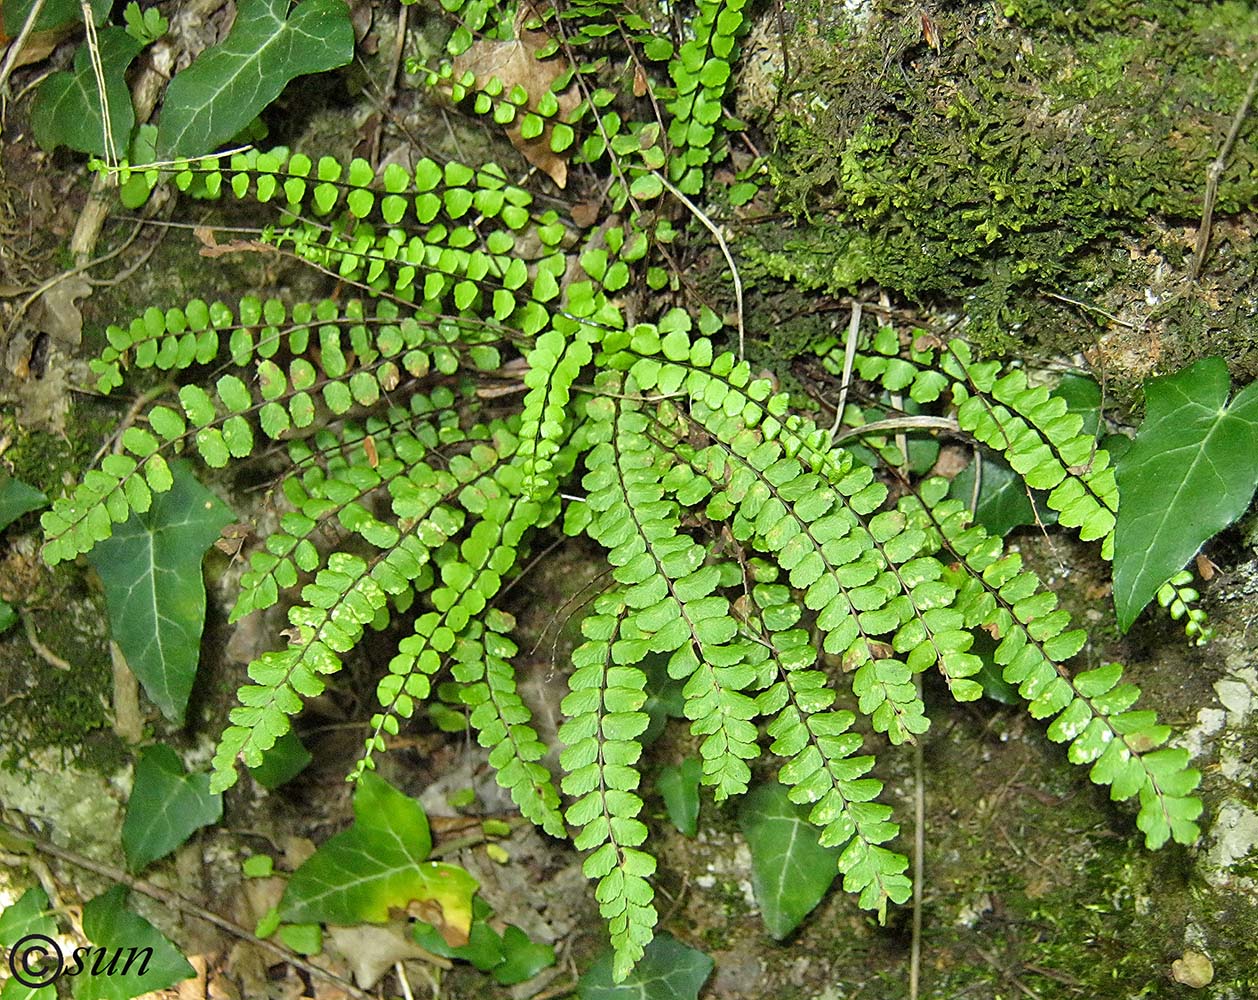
(1052, 150)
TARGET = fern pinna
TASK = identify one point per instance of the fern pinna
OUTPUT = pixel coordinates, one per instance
(743, 542)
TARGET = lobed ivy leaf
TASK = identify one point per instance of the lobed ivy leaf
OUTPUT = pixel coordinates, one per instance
(67, 110)
(1191, 473)
(790, 871)
(668, 970)
(378, 864)
(283, 762)
(228, 84)
(138, 959)
(166, 807)
(151, 570)
(1003, 503)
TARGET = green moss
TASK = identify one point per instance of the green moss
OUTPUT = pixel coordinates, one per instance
(1024, 157)
(62, 709)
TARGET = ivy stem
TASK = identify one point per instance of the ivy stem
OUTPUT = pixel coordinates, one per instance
(697, 212)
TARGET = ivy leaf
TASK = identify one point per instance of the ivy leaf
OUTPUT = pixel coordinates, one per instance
(29, 916)
(1191, 473)
(166, 806)
(1002, 500)
(16, 499)
(67, 109)
(137, 961)
(54, 14)
(668, 970)
(790, 870)
(151, 569)
(228, 84)
(282, 762)
(378, 864)
(522, 958)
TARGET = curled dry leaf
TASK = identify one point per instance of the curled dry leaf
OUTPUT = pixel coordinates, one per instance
(515, 63)
(372, 951)
(62, 320)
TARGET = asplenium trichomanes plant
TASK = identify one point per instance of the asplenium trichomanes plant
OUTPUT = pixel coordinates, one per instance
(742, 541)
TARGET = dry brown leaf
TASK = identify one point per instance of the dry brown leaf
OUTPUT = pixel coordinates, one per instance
(515, 63)
(371, 951)
(211, 247)
(39, 45)
(430, 911)
(62, 320)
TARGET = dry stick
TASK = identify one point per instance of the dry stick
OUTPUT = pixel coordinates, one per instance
(1214, 172)
(44, 653)
(185, 906)
(98, 71)
(909, 422)
(729, 257)
(390, 86)
(849, 359)
(15, 49)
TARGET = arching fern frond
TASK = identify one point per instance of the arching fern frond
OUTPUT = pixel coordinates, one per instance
(603, 723)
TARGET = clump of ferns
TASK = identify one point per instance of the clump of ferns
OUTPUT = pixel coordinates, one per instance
(742, 541)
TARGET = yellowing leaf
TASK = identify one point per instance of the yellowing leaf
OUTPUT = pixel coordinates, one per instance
(379, 865)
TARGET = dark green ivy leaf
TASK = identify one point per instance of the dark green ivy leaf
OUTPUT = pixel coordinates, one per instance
(230, 83)
(166, 807)
(154, 963)
(16, 499)
(1191, 473)
(151, 569)
(790, 870)
(679, 787)
(67, 110)
(669, 970)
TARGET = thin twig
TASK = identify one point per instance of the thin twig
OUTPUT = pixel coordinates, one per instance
(1213, 173)
(906, 423)
(1089, 307)
(186, 906)
(45, 654)
(729, 257)
(849, 359)
(98, 71)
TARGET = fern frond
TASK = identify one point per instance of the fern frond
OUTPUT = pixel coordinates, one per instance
(1092, 710)
(483, 669)
(841, 557)
(1040, 439)
(670, 591)
(1178, 595)
(337, 487)
(820, 769)
(603, 723)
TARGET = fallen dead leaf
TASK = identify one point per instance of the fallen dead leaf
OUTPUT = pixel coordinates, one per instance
(515, 63)
(211, 247)
(372, 950)
(62, 320)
